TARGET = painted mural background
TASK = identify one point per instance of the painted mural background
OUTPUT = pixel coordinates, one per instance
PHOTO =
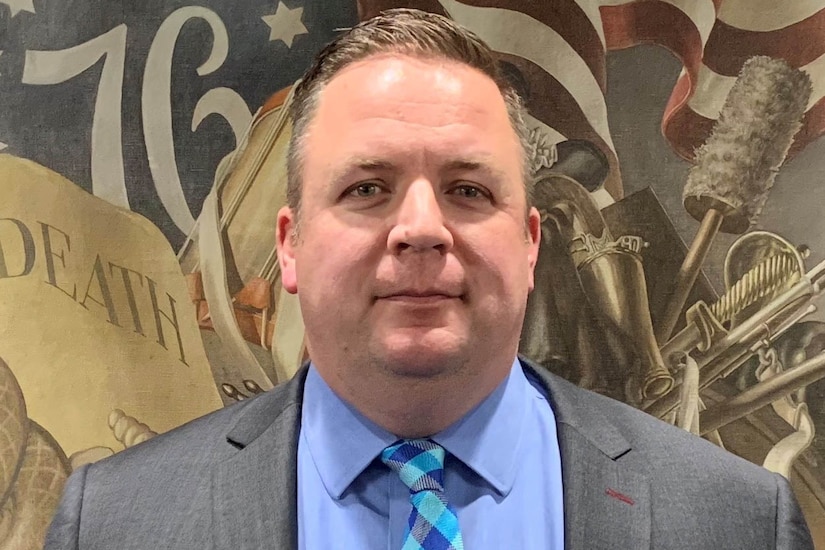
(141, 167)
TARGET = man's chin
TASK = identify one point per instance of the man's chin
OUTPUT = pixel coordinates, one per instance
(422, 357)
(422, 369)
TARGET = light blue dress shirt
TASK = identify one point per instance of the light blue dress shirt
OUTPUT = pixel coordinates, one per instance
(502, 473)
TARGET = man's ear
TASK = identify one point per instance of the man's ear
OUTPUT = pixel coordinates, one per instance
(285, 243)
(534, 239)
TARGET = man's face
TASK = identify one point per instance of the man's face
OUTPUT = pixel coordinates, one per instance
(413, 253)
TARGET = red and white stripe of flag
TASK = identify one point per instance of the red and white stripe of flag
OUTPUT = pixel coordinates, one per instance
(793, 31)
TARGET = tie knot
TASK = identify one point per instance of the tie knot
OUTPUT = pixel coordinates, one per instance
(418, 462)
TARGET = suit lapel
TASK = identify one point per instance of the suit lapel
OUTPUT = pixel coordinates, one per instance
(605, 505)
(606, 502)
(255, 491)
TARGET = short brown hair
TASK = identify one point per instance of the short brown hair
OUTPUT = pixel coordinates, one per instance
(402, 31)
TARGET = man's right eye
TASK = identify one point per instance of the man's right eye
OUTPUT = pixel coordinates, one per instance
(365, 190)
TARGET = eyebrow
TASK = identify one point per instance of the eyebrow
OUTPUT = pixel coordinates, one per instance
(462, 165)
(363, 164)
(469, 165)
(367, 164)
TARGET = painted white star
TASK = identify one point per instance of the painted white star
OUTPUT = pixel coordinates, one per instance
(16, 6)
(285, 25)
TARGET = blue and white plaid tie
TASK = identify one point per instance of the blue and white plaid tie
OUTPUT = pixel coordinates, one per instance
(433, 523)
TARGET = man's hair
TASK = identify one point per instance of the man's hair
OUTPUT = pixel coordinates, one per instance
(398, 31)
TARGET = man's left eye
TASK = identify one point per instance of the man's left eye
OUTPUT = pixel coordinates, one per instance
(468, 191)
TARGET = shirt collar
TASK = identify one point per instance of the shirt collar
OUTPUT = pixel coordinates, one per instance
(343, 442)
(488, 438)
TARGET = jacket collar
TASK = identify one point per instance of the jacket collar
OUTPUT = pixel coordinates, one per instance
(606, 503)
(255, 491)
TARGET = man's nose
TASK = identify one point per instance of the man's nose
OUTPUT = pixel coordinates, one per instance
(419, 224)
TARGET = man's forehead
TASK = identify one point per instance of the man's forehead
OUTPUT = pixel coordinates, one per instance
(391, 75)
(383, 90)
(395, 65)
(393, 112)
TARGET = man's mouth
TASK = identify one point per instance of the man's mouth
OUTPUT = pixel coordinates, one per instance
(414, 296)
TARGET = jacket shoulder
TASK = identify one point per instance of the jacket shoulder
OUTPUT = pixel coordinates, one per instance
(656, 446)
(165, 481)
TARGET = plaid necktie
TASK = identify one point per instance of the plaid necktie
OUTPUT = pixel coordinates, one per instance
(433, 523)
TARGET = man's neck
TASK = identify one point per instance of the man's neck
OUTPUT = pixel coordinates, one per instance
(413, 407)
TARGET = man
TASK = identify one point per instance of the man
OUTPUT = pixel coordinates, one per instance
(411, 244)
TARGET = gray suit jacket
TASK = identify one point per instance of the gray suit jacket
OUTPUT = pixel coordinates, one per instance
(228, 480)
